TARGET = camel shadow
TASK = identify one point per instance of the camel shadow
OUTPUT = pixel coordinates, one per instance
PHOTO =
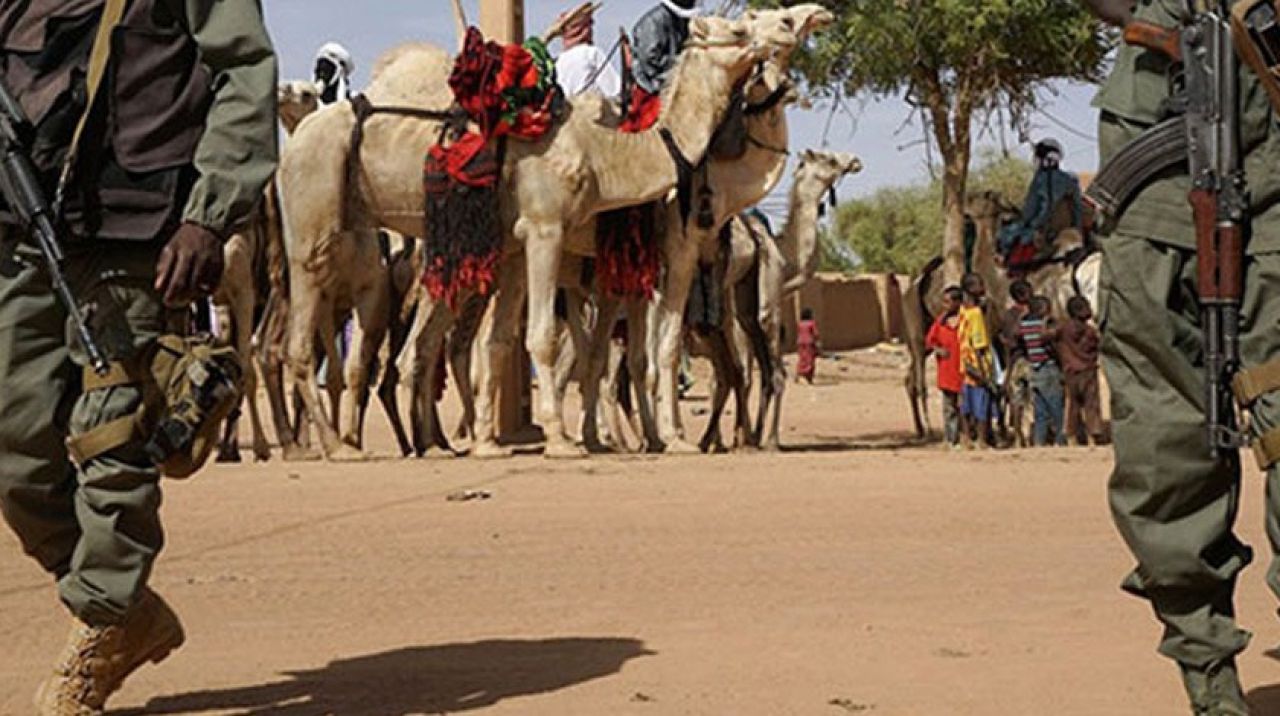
(415, 680)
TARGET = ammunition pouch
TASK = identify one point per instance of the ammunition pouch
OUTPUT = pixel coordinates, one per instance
(188, 386)
(1255, 27)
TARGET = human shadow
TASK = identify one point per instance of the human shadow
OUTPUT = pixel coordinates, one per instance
(1265, 699)
(426, 679)
(888, 440)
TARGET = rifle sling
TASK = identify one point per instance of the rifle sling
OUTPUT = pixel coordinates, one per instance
(1252, 383)
(1266, 448)
(112, 14)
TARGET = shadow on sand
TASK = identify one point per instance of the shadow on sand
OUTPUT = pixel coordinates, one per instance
(1265, 699)
(889, 440)
(414, 680)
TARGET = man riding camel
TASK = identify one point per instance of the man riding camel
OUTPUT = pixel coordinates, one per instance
(582, 66)
(332, 73)
(657, 39)
(1053, 205)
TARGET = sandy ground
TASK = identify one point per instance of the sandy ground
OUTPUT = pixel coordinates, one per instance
(855, 573)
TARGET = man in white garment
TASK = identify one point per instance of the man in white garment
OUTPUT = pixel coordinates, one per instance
(583, 67)
(333, 71)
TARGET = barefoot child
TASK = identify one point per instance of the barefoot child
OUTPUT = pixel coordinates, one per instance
(977, 364)
(807, 346)
(945, 344)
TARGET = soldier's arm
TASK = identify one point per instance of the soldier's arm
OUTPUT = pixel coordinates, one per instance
(237, 153)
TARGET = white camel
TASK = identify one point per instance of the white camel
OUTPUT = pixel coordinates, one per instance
(578, 168)
(764, 270)
(244, 285)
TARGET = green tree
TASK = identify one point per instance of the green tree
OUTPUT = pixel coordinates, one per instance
(958, 61)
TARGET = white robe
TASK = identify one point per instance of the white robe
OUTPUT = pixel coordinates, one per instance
(576, 65)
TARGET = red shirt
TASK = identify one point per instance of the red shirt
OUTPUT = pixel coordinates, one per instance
(944, 336)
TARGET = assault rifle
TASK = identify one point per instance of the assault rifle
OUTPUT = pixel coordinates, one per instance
(22, 193)
(1203, 133)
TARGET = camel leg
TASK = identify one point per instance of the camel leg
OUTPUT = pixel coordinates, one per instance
(740, 350)
(242, 309)
(610, 405)
(369, 327)
(682, 262)
(333, 375)
(542, 258)
(311, 314)
(497, 342)
(595, 366)
(390, 383)
(763, 351)
(434, 319)
(271, 367)
(462, 340)
(638, 331)
(712, 440)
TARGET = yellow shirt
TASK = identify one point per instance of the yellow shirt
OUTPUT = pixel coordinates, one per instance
(975, 345)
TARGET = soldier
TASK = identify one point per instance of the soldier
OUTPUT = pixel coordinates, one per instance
(175, 151)
(1174, 505)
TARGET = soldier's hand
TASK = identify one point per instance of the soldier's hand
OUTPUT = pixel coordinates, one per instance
(190, 265)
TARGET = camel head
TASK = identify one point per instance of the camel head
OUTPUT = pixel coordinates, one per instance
(786, 28)
(988, 205)
(819, 171)
(732, 46)
(297, 99)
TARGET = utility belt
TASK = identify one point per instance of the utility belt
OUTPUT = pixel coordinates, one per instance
(189, 385)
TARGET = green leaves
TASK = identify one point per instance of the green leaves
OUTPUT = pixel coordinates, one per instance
(1000, 48)
(899, 229)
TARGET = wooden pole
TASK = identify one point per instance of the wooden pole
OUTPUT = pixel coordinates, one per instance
(503, 21)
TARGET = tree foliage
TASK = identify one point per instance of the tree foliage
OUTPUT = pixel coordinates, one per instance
(958, 62)
(898, 229)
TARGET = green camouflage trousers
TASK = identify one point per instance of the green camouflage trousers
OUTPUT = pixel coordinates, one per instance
(1173, 504)
(96, 528)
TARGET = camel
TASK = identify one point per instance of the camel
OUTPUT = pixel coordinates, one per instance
(243, 288)
(549, 188)
(923, 297)
(735, 185)
(764, 270)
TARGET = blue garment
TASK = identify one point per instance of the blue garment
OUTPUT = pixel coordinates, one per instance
(976, 402)
(1048, 187)
(1046, 390)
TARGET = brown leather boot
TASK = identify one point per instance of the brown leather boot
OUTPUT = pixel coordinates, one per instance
(97, 660)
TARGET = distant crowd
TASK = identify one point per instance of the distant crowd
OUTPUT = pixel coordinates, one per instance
(1049, 370)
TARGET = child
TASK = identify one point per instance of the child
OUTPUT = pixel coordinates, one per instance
(807, 346)
(1020, 293)
(976, 362)
(1078, 347)
(943, 340)
(1046, 377)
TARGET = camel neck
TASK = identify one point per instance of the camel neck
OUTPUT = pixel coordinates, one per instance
(799, 243)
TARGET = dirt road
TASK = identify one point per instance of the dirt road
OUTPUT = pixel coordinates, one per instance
(855, 574)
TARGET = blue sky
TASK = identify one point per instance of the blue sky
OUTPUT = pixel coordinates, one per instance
(892, 152)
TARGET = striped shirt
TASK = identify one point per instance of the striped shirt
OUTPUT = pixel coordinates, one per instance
(1034, 333)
